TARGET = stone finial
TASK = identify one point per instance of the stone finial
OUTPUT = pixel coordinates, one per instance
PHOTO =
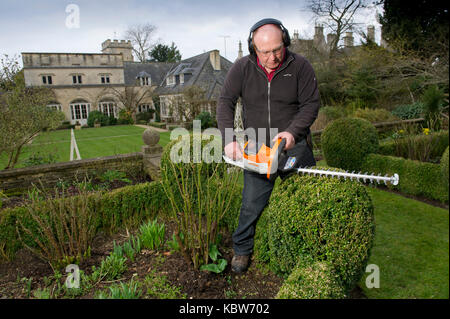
(150, 137)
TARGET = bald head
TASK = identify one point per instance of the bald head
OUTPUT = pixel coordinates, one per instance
(267, 34)
(268, 44)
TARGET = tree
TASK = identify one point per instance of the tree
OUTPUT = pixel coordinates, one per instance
(164, 53)
(421, 26)
(336, 15)
(130, 98)
(140, 36)
(188, 105)
(23, 112)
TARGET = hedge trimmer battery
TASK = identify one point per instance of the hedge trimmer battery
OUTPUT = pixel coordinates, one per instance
(268, 161)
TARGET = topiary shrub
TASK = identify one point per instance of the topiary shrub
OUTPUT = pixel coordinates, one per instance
(347, 141)
(319, 219)
(315, 280)
(444, 165)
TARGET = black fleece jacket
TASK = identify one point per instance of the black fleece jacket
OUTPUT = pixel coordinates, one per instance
(290, 102)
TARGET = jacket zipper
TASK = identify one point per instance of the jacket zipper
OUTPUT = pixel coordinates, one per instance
(268, 86)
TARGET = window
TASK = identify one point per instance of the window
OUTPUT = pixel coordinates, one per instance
(163, 107)
(144, 81)
(55, 107)
(108, 108)
(105, 79)
(144, 108)
(47, 79)
(76, 79)
(79, 110)
(181, 78)
(171, 80)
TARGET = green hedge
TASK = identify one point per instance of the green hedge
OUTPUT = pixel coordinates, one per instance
(318, 219)
(438, 141)
(346, 141)
(157, 124)
(128, 204)
(315, 280)
(416, 178)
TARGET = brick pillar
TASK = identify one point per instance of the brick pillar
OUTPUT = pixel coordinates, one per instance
(152, 153)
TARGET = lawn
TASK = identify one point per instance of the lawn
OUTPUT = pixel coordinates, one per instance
(411, 248)
(92, 142)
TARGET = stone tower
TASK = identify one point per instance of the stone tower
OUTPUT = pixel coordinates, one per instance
(116, 47)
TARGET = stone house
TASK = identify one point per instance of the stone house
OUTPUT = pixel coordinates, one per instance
(111, 80)
(206, 71)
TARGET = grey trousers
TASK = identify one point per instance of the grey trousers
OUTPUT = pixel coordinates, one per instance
(255, 196)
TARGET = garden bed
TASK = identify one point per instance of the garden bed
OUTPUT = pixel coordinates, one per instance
(27, 276)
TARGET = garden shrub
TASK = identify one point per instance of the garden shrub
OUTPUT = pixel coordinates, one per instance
(433, 99)
(345, 142)
(320, 219)
(333, 112)
(375, 115)
(409, 111)
(444, 165)
(200, 191)
(97, 116)
(415, 178)
(207, 120)
(314, 280)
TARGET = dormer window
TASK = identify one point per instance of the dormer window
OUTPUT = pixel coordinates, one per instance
(170, 80)
(144, 81)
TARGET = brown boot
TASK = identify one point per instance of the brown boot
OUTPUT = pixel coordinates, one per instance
(240, 264)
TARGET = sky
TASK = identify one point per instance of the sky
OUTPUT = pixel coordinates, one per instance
(195, 26)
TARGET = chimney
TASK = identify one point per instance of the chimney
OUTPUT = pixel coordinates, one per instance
(240, 53)
(371, 33)
(348, 39)
(214, 58)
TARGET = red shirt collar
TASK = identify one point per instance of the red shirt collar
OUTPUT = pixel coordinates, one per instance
(270, 75)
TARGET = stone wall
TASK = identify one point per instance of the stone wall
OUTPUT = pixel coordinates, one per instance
(18, 180)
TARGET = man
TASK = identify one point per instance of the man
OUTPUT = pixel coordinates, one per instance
(279, 91)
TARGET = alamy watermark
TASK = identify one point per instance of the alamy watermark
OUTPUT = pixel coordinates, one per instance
(73, 277)
(373, 279)
(73, 16)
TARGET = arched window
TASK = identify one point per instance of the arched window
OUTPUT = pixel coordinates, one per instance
(108, 107)
(80, 109)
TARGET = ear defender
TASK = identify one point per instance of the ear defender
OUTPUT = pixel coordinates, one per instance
(286, 37)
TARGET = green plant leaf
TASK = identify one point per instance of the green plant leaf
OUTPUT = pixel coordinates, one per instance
(214, 252)
(211, 267)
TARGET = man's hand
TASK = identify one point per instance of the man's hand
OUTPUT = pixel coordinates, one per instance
(290, 140)
(233, 150)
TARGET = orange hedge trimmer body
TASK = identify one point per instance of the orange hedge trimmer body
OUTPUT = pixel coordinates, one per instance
(265, 160)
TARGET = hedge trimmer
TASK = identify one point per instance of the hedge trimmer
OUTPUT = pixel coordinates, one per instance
(265, 160)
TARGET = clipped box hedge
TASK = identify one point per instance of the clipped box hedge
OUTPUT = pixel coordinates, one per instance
(346, 141)
(127, 204)
(317, 232)
(416, 178)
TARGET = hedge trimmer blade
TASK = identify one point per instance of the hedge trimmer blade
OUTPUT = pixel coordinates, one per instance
(358, 176)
